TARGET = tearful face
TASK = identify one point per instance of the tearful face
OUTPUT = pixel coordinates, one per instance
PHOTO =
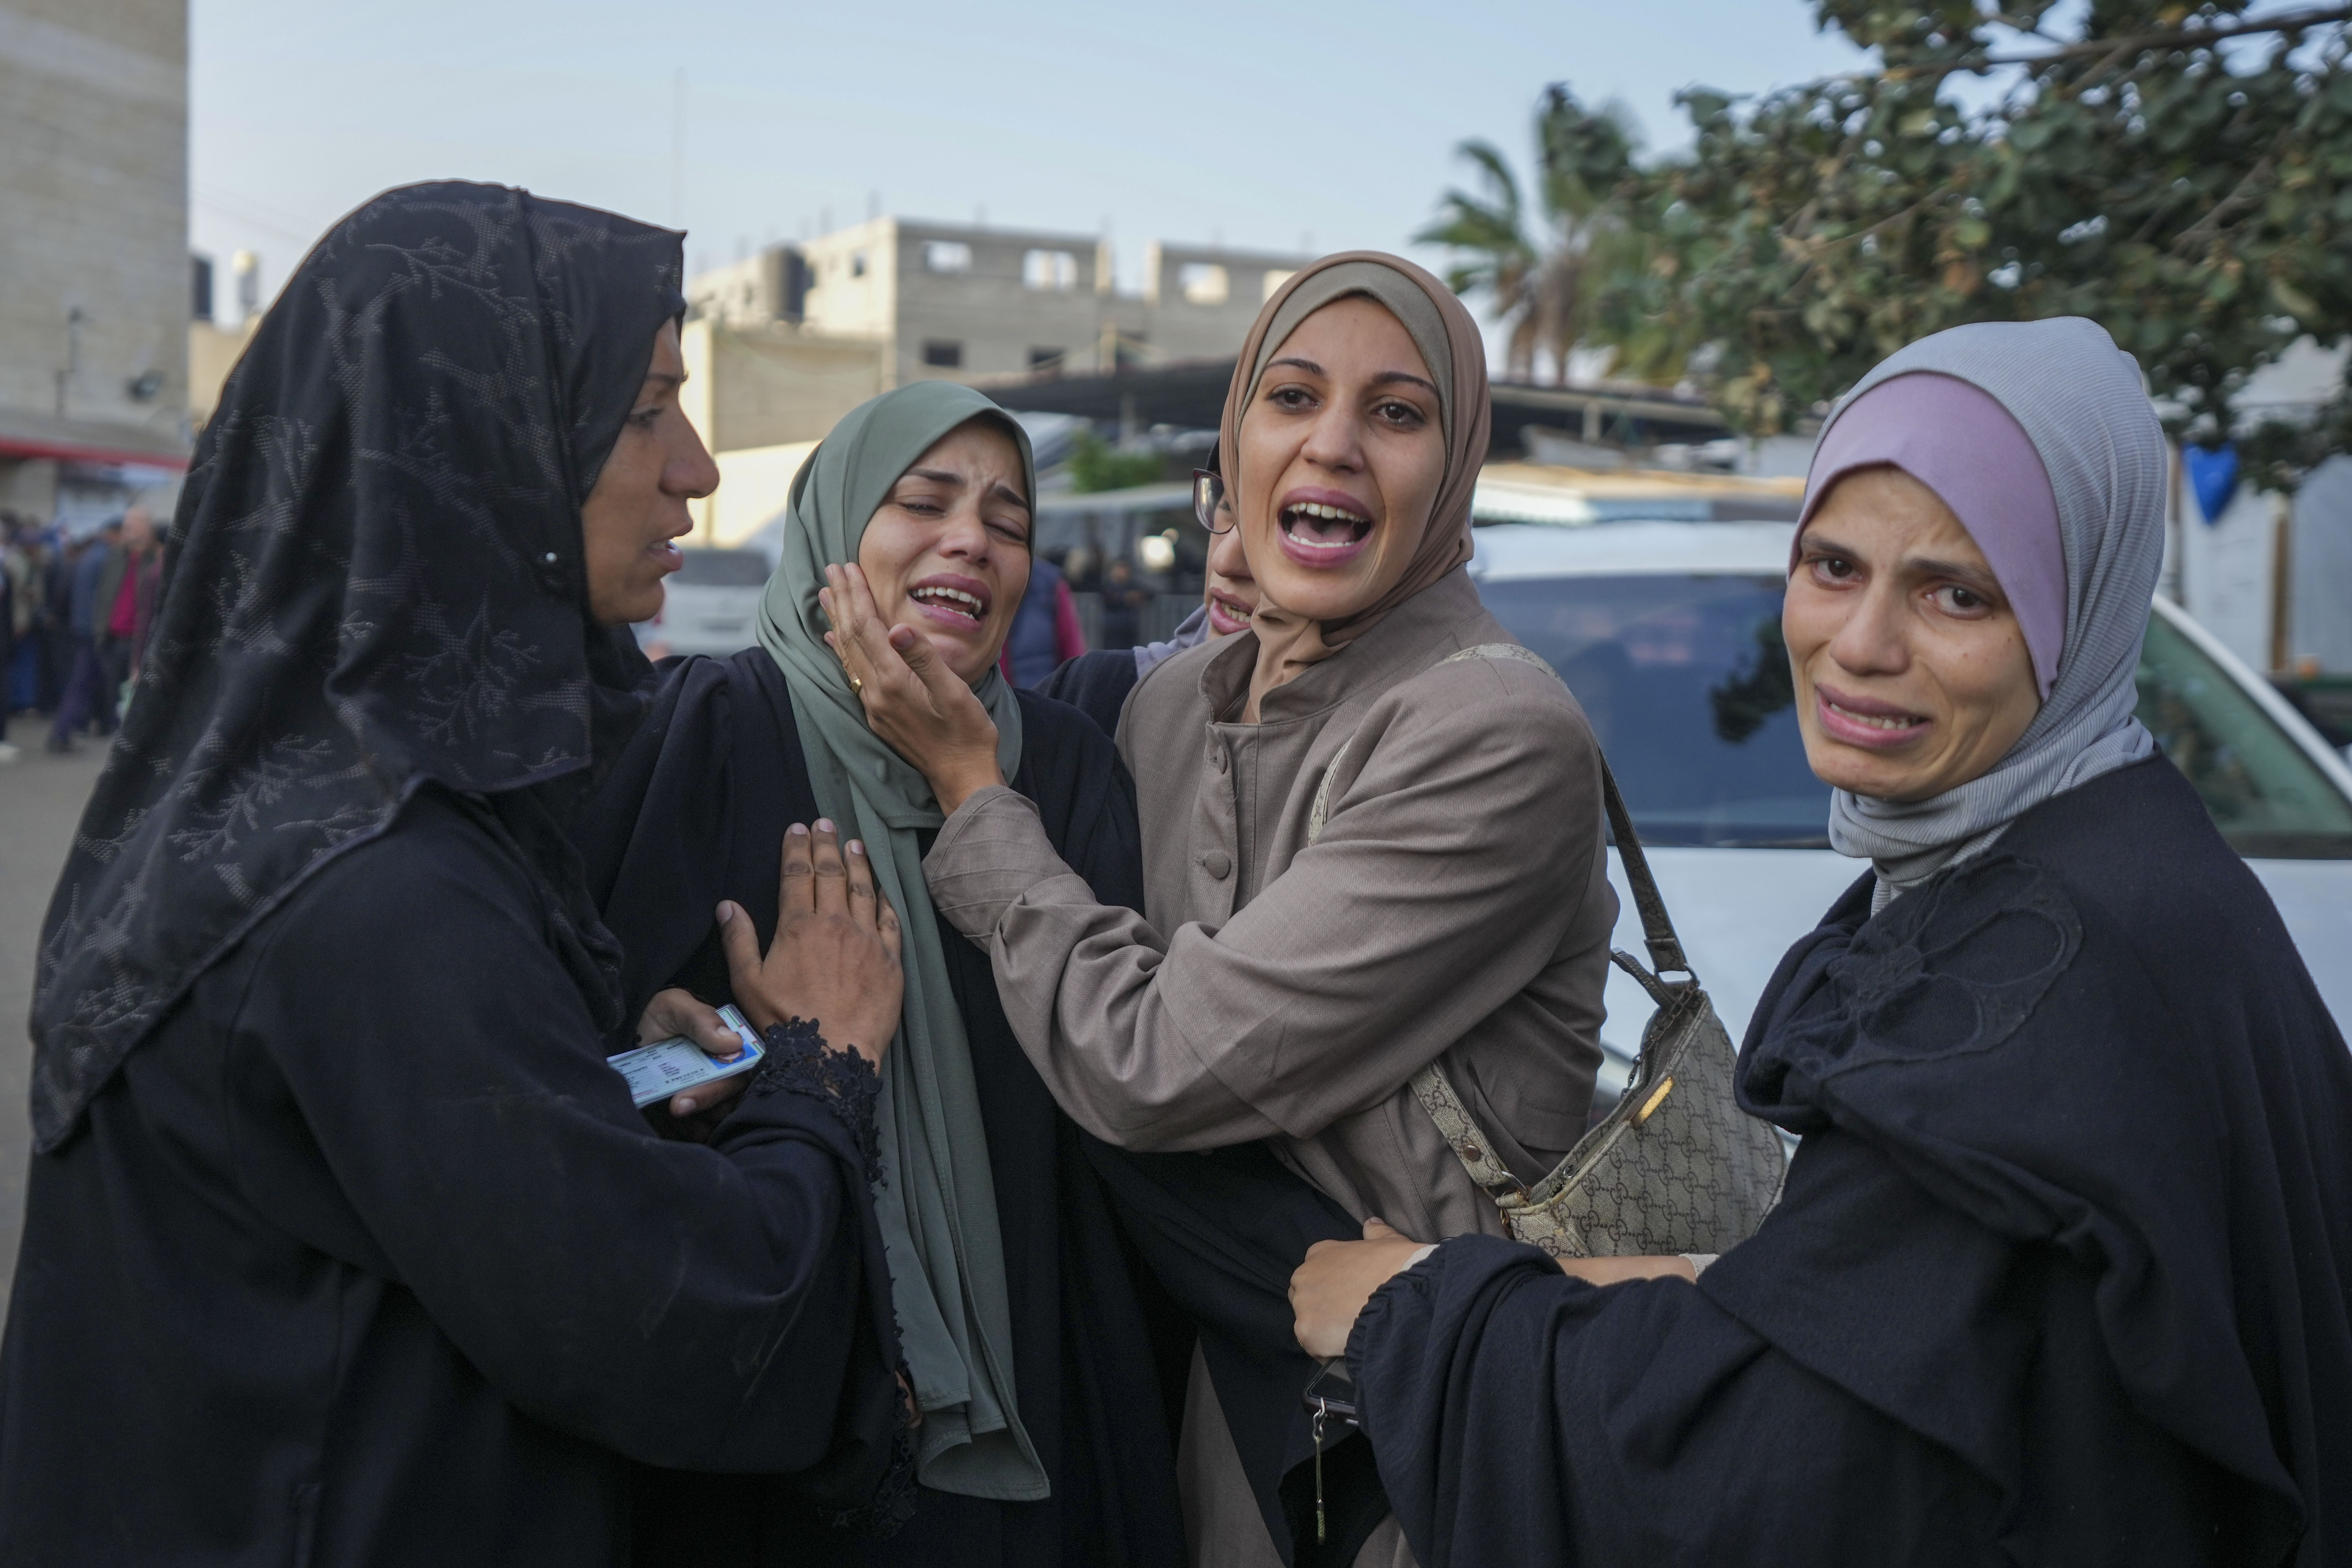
(947, 552)
(1912, 672)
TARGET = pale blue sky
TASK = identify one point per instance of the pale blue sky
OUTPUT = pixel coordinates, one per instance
(1256, 123)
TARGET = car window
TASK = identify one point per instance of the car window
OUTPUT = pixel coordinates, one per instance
(1686, 683)
(722, 569)
(2267, 795)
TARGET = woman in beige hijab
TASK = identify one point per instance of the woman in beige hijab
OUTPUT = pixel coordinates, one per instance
(1362, 853)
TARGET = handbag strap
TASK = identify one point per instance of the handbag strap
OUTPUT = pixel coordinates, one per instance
(1462, 1135)
(1431, 1087)
(1657, 926)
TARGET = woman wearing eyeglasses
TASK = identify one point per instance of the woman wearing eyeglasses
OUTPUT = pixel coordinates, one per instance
(1362, 852)
(1097, 683)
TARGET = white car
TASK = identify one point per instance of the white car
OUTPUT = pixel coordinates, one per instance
(1669, 634)
(710, 605)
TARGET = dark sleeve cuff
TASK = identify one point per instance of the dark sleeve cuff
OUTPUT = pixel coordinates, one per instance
(845, 1083)
(1461, 1266)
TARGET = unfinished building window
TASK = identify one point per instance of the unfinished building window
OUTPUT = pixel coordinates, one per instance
(1047, 361)
(943, 354)
(857, 265)
(1274, 278)
(946, 256)
(1202, 283)
(1049, 271)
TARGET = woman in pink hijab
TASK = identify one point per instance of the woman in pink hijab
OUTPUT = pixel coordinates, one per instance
(2061, 1271)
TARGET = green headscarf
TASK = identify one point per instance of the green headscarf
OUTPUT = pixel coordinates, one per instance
(936, 1200)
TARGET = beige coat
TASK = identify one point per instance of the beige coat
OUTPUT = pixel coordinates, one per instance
(1457, 903)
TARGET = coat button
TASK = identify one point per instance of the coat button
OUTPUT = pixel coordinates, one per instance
(1217, 864)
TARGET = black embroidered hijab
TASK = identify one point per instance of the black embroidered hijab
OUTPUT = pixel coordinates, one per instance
(375, 581)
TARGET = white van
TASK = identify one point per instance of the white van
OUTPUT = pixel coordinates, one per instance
(710, 605)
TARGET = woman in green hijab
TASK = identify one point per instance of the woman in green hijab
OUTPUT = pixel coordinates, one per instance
(1023, 1338)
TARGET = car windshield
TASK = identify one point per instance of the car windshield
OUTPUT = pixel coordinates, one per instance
(722, 569)
(2269, 797)
(1686, 683)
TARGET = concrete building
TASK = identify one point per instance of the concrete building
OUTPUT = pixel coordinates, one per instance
(783, 343)
(2269, 575)
(762, 395)
(965, 302)
(212, 352)
(99, 289)
(213, 349)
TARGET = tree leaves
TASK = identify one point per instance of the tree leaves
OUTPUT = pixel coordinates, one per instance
(1541, 269)
(2181, 173)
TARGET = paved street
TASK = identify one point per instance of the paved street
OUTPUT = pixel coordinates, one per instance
(40, 802)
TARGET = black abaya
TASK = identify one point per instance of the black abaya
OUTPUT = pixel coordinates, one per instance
(695, 811)
(366, 1257)
(2062, 1273)
(1096, 684)
(343, 1244)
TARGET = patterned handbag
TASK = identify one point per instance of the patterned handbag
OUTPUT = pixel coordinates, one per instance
(1676, 1166)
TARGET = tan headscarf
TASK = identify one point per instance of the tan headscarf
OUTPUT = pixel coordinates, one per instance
(1450, 344)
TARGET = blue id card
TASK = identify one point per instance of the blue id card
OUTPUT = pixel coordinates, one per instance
(672, 1065)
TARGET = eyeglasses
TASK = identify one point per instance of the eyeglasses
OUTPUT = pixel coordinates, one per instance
(1209, 499)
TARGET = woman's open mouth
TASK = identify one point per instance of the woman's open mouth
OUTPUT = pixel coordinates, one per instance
(1322, 528)
(957, 603)
(1865, 720)
(1227, 615)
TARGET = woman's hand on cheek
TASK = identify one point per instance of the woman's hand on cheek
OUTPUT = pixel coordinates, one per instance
(913, 701)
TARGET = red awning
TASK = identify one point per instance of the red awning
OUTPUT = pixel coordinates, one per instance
(23, 446)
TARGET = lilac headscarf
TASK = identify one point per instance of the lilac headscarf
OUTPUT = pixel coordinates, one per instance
(1959, 441)
(2081, 403)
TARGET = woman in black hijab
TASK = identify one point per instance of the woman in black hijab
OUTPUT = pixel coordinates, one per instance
(343, 1244)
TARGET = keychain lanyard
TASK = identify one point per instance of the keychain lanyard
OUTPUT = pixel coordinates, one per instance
(1322, 1533)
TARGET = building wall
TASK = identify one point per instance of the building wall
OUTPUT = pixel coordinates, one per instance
(1010, 303)
(212, 352)
(1203, 298)
(766, 386)
(2321, 623)
(93, 212)
(1004, 312)
(2225, 571)
(751, 292)
(755, 486)
(850, 273)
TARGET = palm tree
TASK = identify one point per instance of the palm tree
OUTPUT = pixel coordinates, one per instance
(1543, 270)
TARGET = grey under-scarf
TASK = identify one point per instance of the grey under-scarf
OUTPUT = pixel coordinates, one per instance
(937, 1201)
(1190, 632)
(2083, 402)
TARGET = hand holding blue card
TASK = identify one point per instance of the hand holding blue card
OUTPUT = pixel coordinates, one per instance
(672, 1065)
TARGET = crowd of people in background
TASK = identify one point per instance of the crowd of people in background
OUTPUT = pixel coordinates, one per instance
(75, 612)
